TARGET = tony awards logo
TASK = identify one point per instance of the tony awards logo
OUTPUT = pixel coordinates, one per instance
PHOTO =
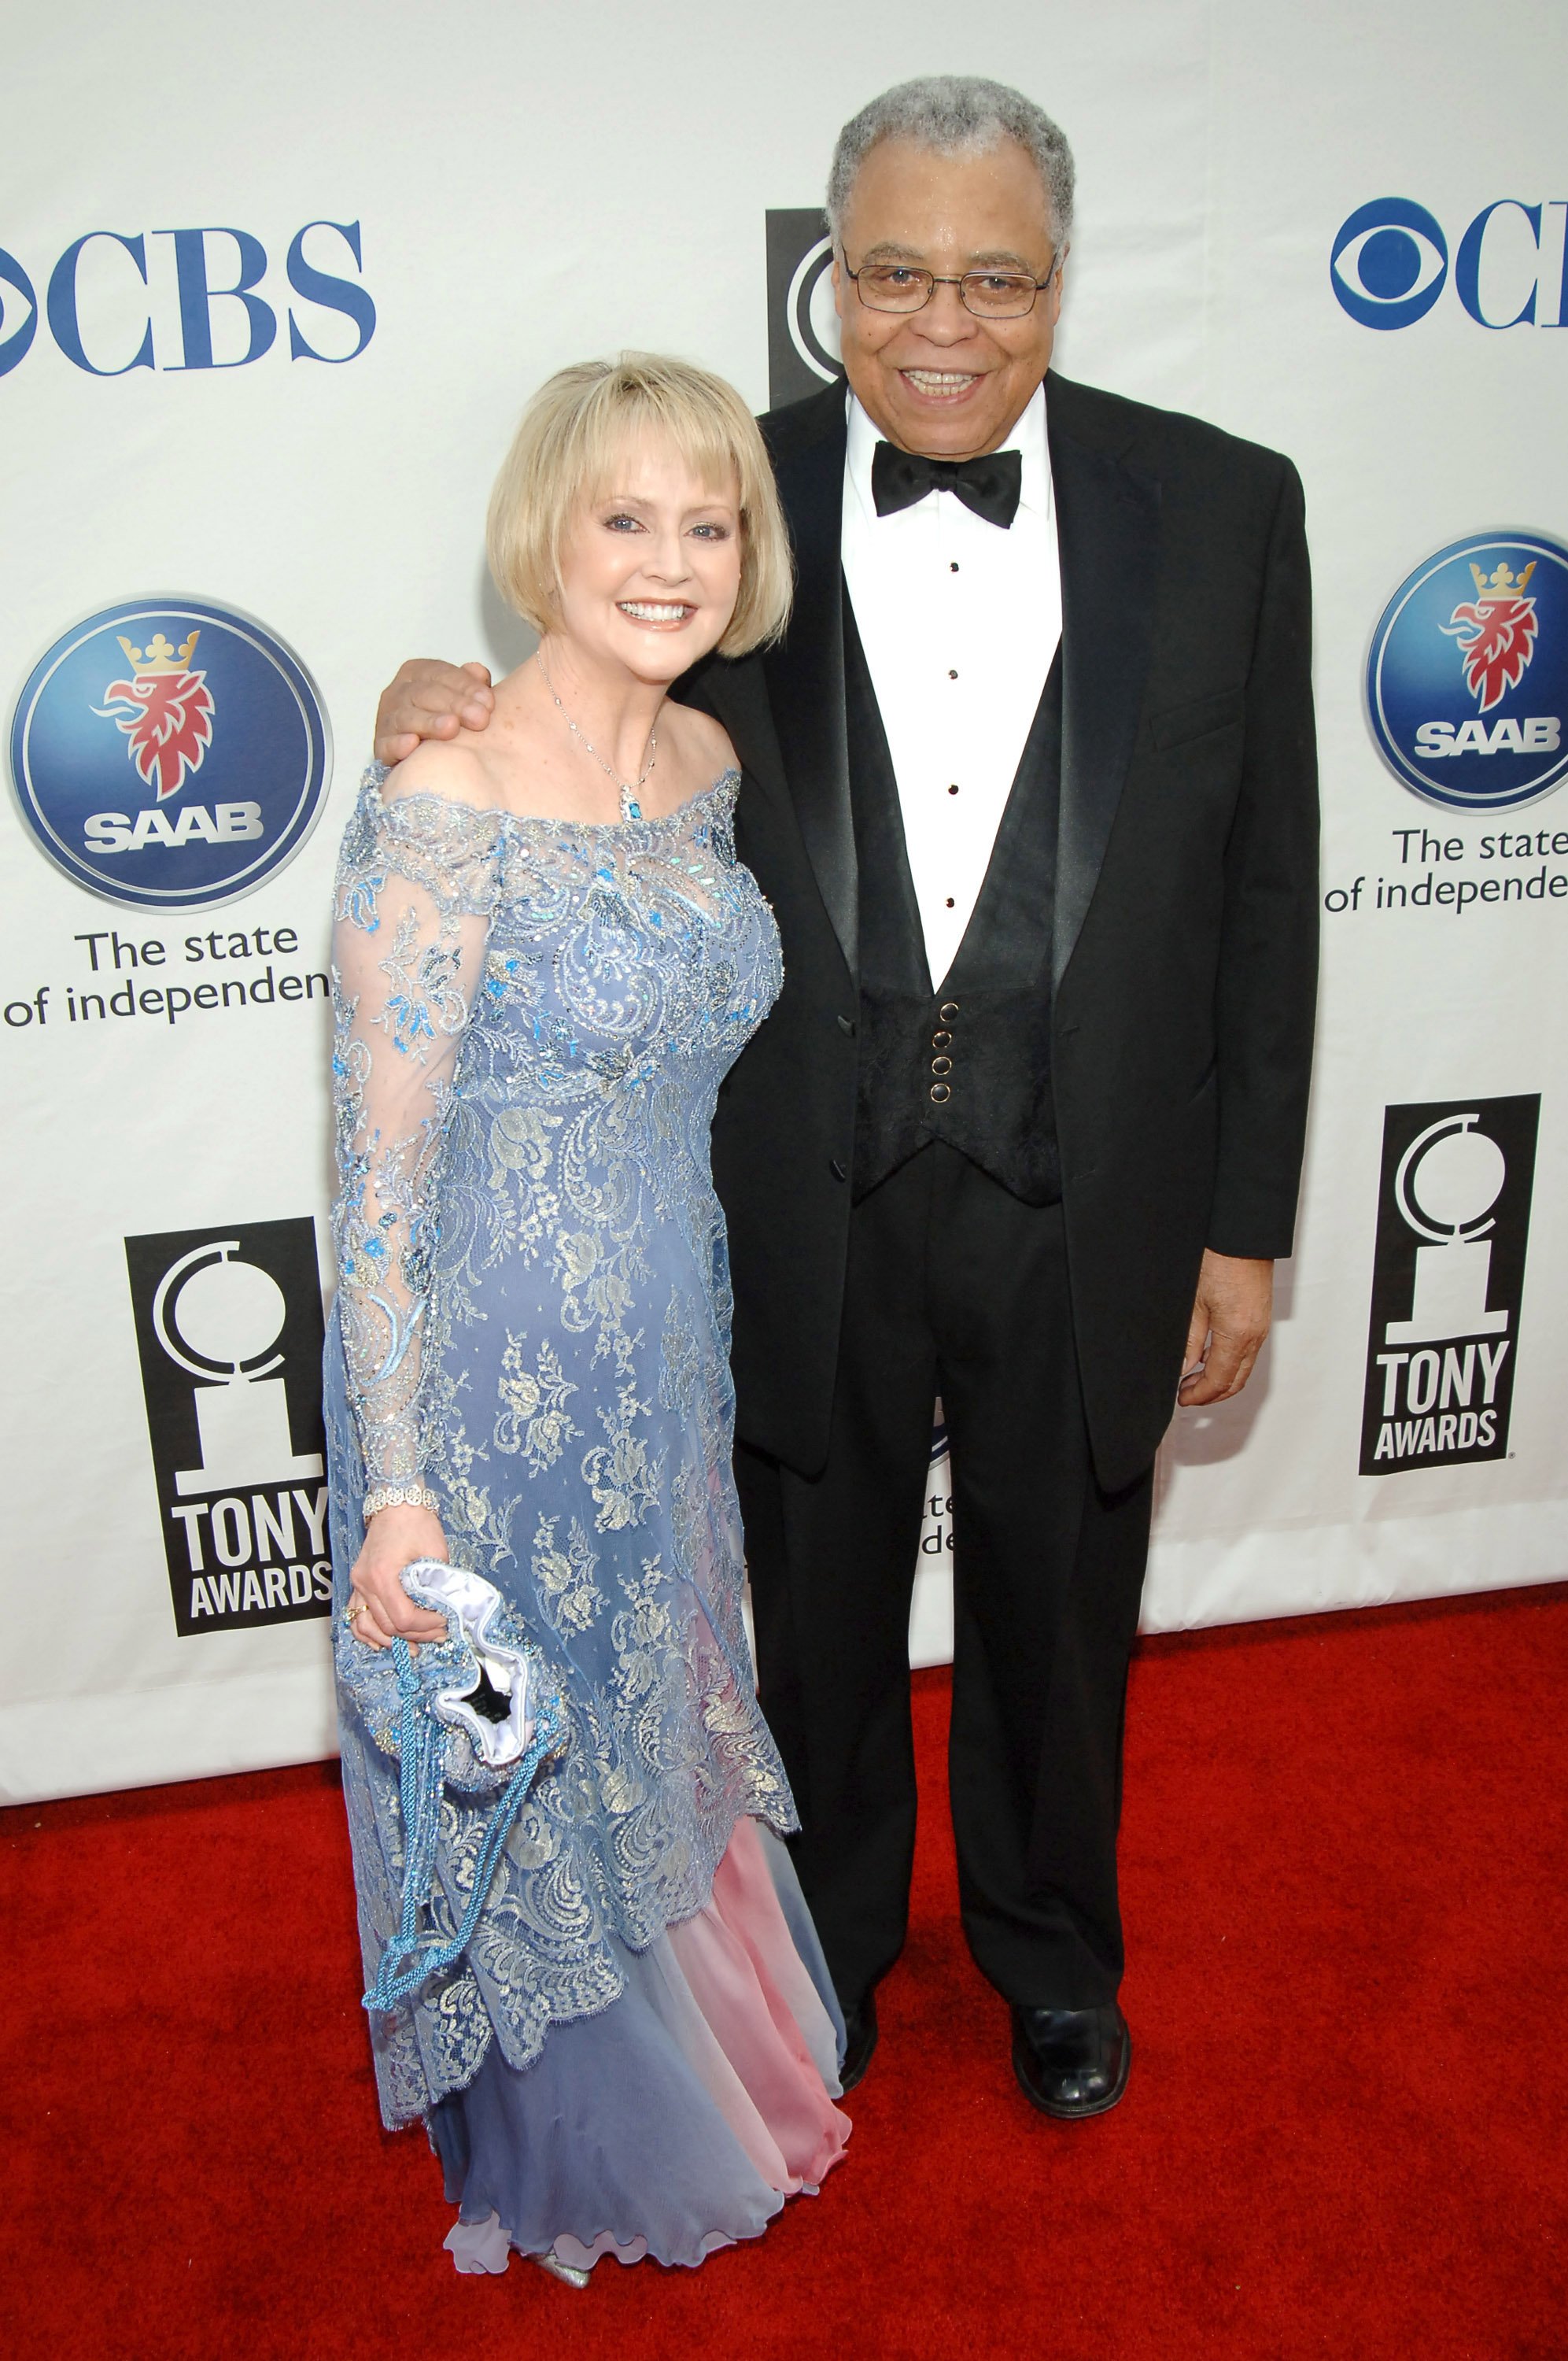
(220, 1319)
(229, 1329)
(1452, 1231)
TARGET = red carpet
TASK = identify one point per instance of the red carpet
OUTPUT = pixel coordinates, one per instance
(1346, 2133)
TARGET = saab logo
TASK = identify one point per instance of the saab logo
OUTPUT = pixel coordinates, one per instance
(169, 752)
(803, 324)
(1467, 678)
(1452, 1224)
(1390, 264)
(229, 1330)
(166, 712)
(114, 304)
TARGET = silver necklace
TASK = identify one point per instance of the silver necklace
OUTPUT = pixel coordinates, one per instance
(630, 807)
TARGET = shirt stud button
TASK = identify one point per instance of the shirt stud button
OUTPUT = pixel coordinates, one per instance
(952, 676)
(950, 901)
(952, 791)
(953, 564)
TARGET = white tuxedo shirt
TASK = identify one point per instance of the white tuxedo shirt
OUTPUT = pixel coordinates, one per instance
(959, 621)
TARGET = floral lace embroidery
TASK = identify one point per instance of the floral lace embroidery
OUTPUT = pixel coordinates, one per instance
(533, 1021)
(533, 1419)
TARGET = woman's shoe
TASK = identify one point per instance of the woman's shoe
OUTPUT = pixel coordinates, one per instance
(559, 2270)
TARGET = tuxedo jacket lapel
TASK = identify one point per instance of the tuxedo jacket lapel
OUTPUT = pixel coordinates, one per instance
(1108, 537)
(806, 672)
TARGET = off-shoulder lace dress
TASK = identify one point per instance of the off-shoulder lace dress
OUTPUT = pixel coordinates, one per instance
(533, 1018)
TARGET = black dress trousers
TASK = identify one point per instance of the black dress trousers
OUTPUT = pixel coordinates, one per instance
(955, 1287)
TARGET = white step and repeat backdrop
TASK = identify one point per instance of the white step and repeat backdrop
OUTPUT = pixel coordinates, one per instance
(275, 286)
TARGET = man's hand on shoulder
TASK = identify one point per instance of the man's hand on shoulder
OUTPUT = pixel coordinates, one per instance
(431, 699)
(1230, 1321)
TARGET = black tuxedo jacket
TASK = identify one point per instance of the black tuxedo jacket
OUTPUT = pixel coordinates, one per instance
(1185, 931)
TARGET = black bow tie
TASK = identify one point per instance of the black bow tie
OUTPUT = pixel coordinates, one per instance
(990, 485)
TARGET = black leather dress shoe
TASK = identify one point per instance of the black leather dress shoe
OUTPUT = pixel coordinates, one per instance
(859, 2041)
(1071, 2061)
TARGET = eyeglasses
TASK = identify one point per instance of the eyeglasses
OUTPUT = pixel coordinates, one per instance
(989, 294)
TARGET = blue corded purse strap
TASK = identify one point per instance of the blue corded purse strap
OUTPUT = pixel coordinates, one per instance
(420, 1786)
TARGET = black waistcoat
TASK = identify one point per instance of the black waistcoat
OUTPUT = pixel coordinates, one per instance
(970, 1062)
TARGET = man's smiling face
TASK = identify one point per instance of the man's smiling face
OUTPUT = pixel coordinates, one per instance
(938, 380)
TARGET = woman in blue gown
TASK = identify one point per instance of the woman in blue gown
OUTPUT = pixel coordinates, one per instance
(546, 957)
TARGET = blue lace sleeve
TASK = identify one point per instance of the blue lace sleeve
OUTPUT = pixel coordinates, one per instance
(415, 892)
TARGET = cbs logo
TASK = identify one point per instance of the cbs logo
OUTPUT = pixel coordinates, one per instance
(116, 302)
(1390, 263)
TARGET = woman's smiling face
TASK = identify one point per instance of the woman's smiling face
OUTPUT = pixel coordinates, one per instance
(649, 568)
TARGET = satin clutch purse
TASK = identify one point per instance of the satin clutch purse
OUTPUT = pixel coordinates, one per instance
(478, 1711)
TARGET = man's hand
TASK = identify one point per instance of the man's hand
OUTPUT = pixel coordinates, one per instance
(1230, 1321)
(431, 699)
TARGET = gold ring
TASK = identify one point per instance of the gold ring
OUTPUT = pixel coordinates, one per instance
(350, 1612)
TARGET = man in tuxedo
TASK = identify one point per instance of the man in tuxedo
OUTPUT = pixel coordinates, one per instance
(1030, 784)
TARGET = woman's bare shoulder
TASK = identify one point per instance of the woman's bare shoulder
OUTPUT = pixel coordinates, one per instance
(459, 773)
(704, 742)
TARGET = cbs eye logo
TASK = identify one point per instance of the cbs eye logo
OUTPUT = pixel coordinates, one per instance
(1390, 263)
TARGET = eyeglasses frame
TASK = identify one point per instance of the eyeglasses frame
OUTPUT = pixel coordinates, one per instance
(938, 280)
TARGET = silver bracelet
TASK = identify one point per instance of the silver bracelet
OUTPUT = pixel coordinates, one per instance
(399, 1496)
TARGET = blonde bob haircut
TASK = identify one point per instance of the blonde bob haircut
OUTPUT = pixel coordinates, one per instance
(565, 452)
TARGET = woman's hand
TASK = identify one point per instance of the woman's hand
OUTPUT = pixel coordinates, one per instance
(379, 1606)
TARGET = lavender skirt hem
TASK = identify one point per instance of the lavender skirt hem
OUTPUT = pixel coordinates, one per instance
(679, 2119)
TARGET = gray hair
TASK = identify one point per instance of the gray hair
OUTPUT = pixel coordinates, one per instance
(951, 113)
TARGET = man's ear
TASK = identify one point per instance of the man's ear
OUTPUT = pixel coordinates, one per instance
(1058, 272)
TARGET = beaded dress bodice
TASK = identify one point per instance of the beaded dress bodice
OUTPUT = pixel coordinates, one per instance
(533, 1017)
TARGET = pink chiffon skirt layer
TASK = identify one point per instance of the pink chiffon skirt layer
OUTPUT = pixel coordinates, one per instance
(680, 2118)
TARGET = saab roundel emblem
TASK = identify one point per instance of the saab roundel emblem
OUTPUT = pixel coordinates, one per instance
(1468, 675)
(169, 752)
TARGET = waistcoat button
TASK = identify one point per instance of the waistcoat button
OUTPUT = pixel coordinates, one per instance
(948, 1011)
(941, 1065)
(941, 1094)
